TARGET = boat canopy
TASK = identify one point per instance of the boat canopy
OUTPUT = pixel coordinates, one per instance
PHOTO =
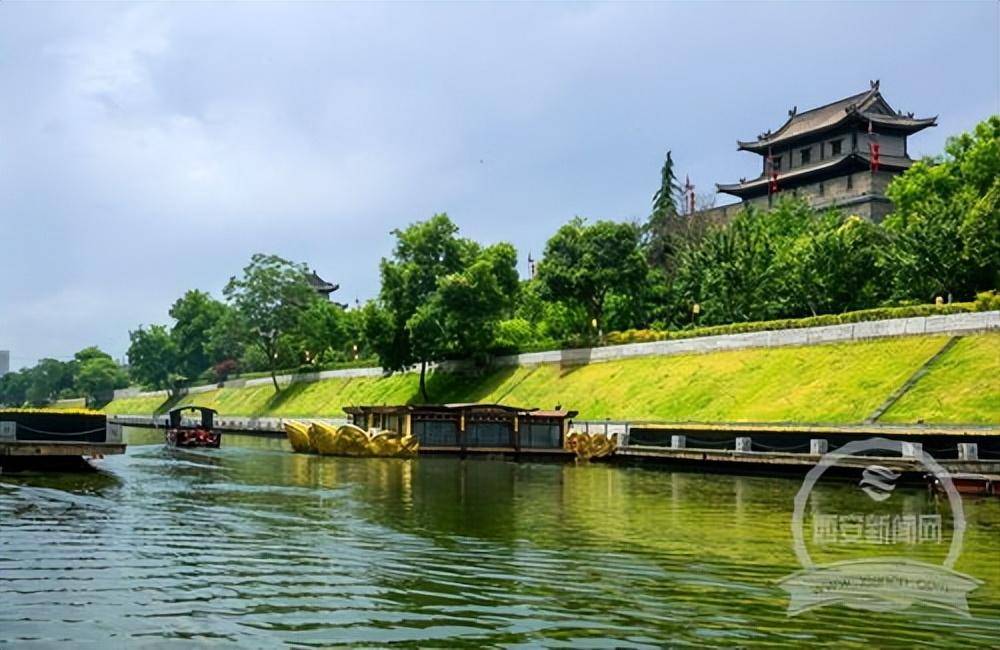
(207, 415)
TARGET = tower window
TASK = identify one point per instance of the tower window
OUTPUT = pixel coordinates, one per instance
(805, 155)
(822, 189)
(835, 147)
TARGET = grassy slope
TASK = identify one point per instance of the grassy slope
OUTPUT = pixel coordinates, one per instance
(962, 386)
(830, 383)
(827, 383)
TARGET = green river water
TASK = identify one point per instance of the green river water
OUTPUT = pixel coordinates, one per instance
(253, 546)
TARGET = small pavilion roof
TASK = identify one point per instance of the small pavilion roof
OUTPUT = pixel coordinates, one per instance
(321, 285)
(860, 108)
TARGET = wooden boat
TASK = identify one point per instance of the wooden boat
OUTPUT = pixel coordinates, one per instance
(969, 484)
(201, 435)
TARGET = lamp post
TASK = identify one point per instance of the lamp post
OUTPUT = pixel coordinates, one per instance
(695, 310)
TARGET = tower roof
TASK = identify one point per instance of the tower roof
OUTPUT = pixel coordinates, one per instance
(815, 172)
(860, 108)
(321, 285)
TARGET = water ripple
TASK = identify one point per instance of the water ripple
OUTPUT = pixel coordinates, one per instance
(253, 547)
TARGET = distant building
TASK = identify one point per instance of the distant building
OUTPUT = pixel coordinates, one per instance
(842, 155)
(4, 362)
(322, 287)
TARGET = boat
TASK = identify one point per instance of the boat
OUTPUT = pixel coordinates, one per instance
(970, 484)
(298, 436)
(591, 445)
(201, 435)
(348, 440)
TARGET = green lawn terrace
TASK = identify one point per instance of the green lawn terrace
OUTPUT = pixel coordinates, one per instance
(841, 383)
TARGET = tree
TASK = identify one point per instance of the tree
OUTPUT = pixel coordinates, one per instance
(47, 379)
(832, 267)
(89, 353)
(945, 219)
(322, 331)
(425, 253)
(98, 376)
(195, 314)
(270, 297)
(152, 357)
(664, 222)
(460, 319)
(584, 264)
(14, 388)
(227, 337)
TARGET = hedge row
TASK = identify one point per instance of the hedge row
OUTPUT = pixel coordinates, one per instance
(987, 301)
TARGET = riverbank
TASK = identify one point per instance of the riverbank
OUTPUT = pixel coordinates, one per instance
(937, 379)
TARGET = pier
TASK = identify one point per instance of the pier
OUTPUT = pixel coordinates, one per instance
(41, 439)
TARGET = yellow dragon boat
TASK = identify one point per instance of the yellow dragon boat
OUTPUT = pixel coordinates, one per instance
(298, 435)
(591, 445)
(348, 440)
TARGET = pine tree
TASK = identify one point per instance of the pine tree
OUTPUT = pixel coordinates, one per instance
(664, 219)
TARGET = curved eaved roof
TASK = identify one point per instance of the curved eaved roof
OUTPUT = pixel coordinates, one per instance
(862, 107)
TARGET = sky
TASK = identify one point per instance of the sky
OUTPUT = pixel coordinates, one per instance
(148, 149)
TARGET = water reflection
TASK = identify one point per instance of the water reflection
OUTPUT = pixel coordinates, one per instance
(251, 545)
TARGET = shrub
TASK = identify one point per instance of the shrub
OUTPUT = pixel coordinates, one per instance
(223, 369)
(984, 302)
(987, 301)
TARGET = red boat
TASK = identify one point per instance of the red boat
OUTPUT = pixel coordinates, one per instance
(201, 435)
(982, 485)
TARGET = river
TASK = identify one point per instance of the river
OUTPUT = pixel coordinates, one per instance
(254, 546)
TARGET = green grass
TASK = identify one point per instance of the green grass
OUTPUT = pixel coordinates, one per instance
(963, 386)
(836, 383)
(830, 383)
(68, 404)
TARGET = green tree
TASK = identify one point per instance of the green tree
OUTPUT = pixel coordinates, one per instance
(47, 380)
(322, 332)
(270, 298)
(741, 271)
(665, 224)
(468, 306)
(91, 352)
(832, 267)
(195, 315)
(584, 264)
(425, 252)
(98, 376)
(14, 387)
(552, 322)
(152, 357)
(945, 219)
(461, 318)
(227, 337)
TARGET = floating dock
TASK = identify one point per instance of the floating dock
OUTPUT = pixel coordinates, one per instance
(41, 438)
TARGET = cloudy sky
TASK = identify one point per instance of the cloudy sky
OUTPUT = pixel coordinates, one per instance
(148, 149)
